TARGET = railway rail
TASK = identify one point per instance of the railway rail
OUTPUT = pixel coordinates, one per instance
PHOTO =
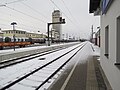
(27, 75)
(7, 63)
(13, 61)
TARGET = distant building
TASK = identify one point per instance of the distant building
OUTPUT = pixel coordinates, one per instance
(21, 34)
(97, 38)
(110, 38)
(57, 27)
(34, 35)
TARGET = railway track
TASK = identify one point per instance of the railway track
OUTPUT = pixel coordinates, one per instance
(10, 62)
(31, 77)
(7, 63)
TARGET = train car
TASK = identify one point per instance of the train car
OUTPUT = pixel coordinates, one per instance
(1, 38)
(38, 40)
(22, 38)
(8, 42)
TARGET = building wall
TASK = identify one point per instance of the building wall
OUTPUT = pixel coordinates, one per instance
(18, 33)
(1, 35)
(110, 19)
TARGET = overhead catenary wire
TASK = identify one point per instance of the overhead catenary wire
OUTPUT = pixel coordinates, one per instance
(6, 20)
(5, 5)
(35, 10)
(28, 29)
(60, 10)
(15, 1)
(69, 11)
(25, 27)
(38, 19)
(64, 14)
(19, 27)
(26, 6)
(25, 14)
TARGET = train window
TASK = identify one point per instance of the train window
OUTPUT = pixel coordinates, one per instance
(15, 40)
(22, 40)
(7, 39)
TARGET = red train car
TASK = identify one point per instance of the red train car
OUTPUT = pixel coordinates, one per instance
(10, 44)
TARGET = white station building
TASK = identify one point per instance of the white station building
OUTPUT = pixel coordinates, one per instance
(109, 11)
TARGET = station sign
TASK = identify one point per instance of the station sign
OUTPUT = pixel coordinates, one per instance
(105, 5)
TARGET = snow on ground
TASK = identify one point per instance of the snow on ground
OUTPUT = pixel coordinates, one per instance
(9, 74)
(96, 52)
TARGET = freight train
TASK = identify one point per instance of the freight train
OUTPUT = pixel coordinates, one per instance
(20, 38)
(8, 42)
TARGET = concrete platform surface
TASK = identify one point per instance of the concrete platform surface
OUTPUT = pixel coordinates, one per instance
(83, 73)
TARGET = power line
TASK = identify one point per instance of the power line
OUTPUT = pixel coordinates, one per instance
(20, 27)
(28, 7)
(30, 27)
(69, 11)
(63, 13)
(35, 10)
(5, 5)
(33, 27)
(61, 10)
(26, 14)
(27, 28)
(14, 1)
(24, 25)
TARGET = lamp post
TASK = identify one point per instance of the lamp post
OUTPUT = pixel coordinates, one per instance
(14, 23)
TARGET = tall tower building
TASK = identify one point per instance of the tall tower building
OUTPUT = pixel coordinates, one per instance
(57, 27)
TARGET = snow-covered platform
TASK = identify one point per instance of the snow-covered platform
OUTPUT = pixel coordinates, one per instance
(84, 72)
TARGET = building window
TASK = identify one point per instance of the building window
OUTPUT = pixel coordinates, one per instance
(118, 41)
(107, 41)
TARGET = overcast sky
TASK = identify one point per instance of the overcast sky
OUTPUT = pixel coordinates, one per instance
(33, 15)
